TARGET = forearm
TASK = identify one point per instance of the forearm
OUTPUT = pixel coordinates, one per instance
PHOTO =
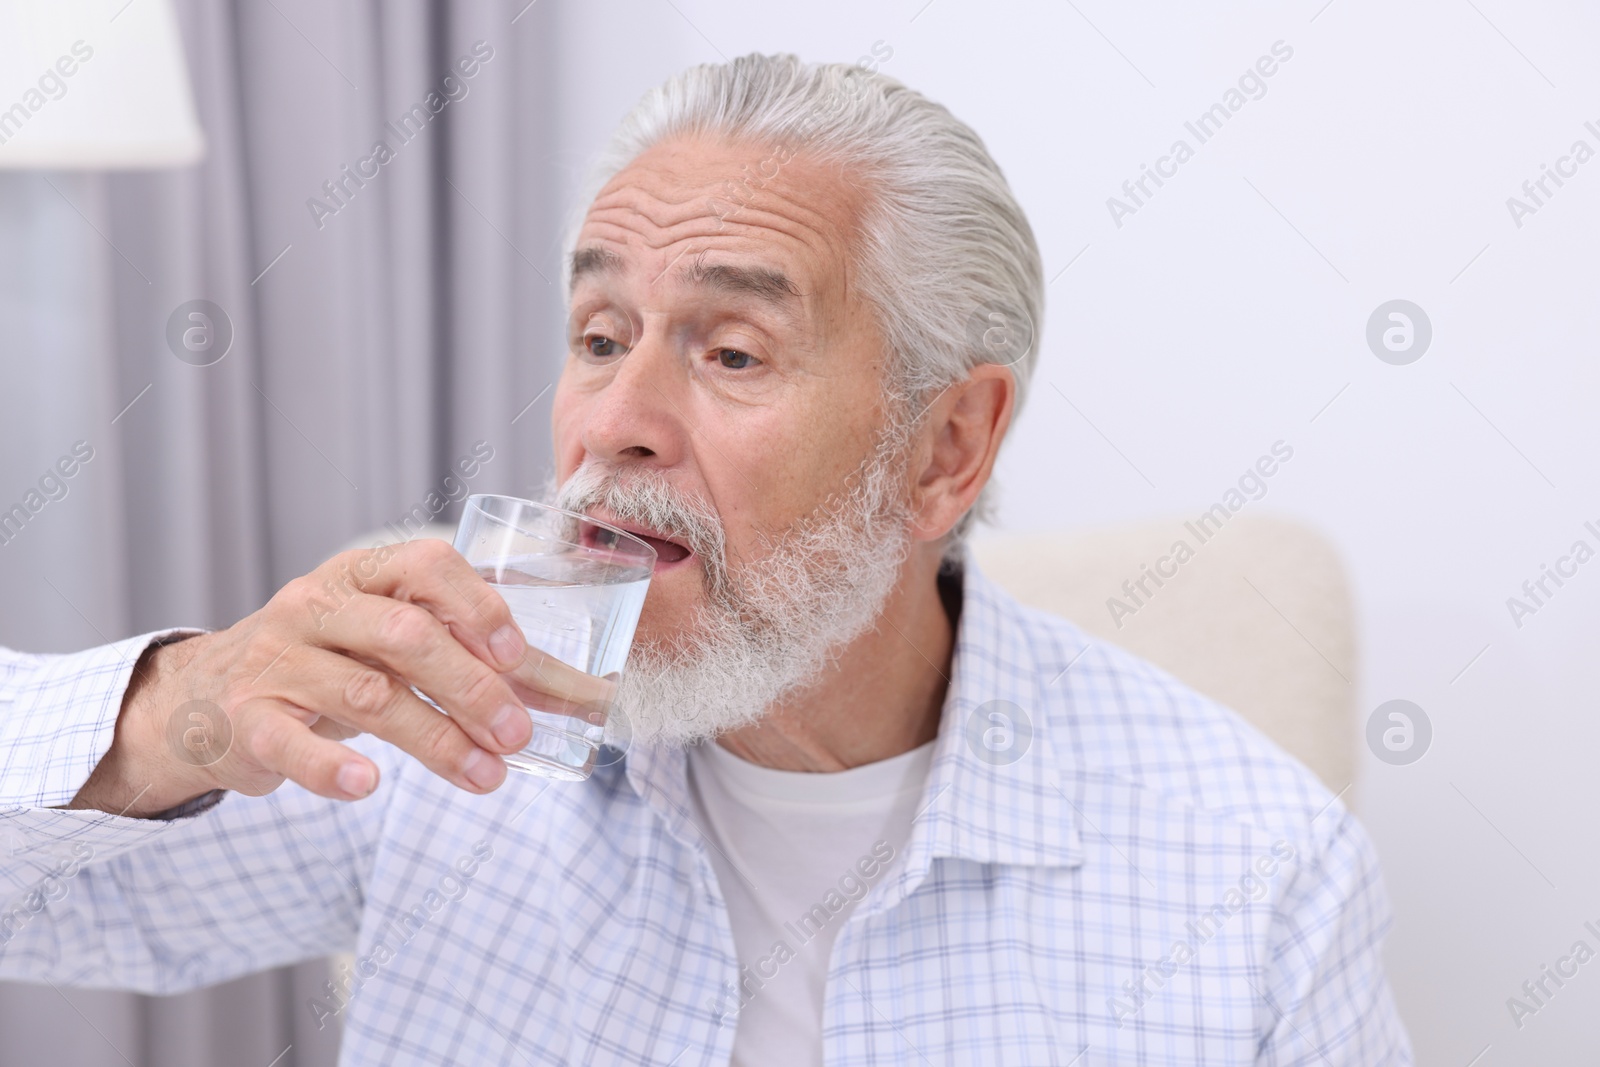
(164, 905)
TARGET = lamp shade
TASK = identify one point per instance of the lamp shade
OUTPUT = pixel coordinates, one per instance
(94, 85)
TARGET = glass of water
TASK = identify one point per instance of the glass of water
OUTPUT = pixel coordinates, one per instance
(575, 586)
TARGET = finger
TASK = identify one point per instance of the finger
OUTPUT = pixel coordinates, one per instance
(544, 682)
(368, 700)
(408, 642)
(434, 575)
(275, 738)
(333, 729)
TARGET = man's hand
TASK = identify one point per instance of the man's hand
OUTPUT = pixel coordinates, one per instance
(332, 655)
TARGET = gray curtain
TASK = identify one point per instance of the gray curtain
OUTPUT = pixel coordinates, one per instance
(374, 341)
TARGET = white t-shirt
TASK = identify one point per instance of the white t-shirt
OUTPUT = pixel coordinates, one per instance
(793, 853)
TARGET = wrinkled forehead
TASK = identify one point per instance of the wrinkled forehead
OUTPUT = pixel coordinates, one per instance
(744, 214)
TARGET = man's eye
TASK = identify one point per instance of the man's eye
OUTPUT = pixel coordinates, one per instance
(733, 359)
(602, 347)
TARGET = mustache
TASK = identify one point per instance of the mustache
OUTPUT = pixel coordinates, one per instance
(647, 498)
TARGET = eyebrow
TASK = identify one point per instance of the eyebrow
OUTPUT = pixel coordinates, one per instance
(592, 261)
(766, 284)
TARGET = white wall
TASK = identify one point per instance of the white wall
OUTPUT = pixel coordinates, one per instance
(1206, 327)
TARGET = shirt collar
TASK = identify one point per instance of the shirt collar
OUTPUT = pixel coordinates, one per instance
(994, 792)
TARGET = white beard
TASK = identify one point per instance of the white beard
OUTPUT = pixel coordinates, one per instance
(768, 627)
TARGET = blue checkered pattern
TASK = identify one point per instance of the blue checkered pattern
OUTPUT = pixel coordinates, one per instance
(1114, 871)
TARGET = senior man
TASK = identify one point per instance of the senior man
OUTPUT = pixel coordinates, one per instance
(860, 807)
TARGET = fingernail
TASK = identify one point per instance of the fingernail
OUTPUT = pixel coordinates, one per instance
(483, 770)
(356, 779)
(511, 727)
(508, 644)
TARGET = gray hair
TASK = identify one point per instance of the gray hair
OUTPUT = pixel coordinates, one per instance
(946, 257)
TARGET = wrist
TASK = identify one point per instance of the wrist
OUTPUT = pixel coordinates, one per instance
(144, 773)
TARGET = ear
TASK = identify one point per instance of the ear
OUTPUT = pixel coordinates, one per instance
(961, 439)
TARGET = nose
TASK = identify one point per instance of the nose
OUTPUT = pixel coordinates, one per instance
(637, 413)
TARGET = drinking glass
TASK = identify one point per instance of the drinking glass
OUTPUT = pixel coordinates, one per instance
(575, 586)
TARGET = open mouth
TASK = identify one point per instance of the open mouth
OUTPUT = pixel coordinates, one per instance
(668, 552)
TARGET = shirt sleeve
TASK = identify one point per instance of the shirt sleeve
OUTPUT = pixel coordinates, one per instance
(58, 714)
(218, 887)
(1327, 1001)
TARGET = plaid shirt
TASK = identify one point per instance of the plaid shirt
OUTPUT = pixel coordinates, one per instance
(1107, 868)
